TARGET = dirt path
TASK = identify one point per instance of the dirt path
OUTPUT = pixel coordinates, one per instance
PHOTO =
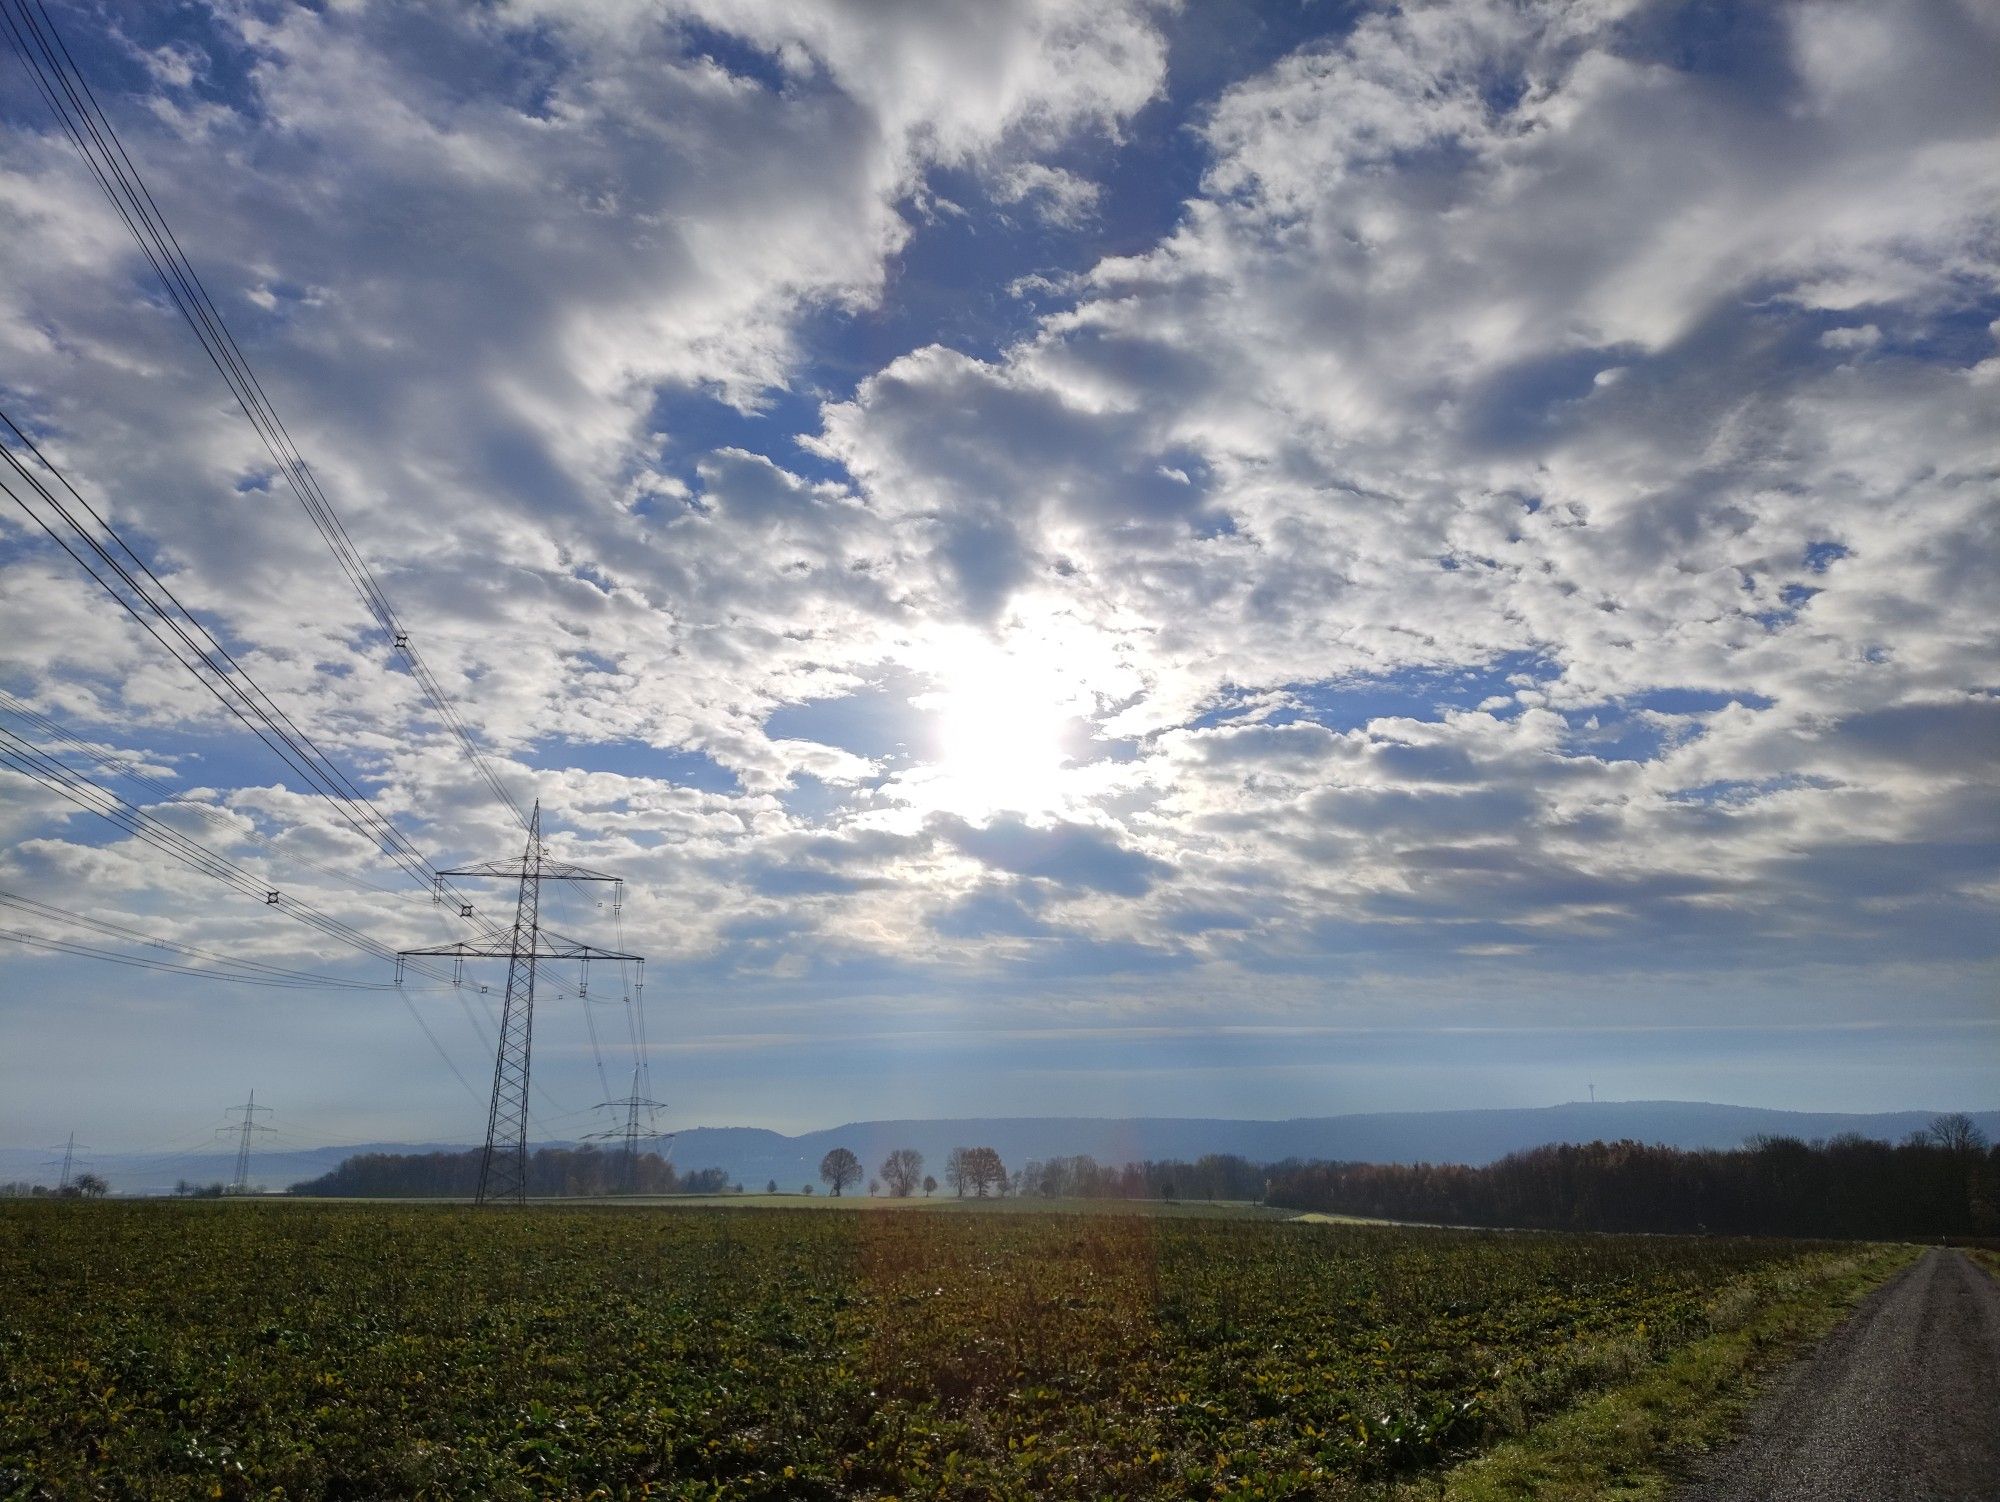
(1900, 1404)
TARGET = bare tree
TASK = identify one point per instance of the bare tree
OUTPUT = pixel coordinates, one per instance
(839, 1168)
(874, 1188)
(90, 1186)
(979, 1169)
(902, 1170)
(956, 1173)
(1956, 1133)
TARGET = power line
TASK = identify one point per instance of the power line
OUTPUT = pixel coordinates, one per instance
(126, 577)
(68, 94)
(23, 757)
(118, 763)
(20, 756)
(234, 967)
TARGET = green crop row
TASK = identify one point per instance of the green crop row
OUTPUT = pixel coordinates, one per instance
(243, 1350)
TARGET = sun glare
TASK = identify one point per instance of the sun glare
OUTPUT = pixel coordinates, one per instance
(1001, 722)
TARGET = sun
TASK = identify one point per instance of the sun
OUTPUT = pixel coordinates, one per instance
(1002, 719)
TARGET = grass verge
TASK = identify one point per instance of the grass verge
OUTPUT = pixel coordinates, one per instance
(1625, 1442)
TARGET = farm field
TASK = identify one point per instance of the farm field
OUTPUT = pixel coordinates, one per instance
(238, 1350)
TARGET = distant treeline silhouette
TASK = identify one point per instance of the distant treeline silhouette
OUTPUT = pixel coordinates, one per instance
(551, 1171)
(1945, 1183)
(1219, 1176)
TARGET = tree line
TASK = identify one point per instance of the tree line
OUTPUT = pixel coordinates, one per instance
(85, 1186)
(1218, 1176)
(552, 1171)
(980, 1173)
(1943, 1182)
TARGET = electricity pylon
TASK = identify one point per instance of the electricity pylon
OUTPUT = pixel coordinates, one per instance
(503, 1167)
(631, 1133)
(241, 1183)
(68, 1162)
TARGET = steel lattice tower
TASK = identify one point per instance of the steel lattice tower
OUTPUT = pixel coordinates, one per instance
(240, 1184)
(631, 1133)
(68, 1163)
(503, 1166)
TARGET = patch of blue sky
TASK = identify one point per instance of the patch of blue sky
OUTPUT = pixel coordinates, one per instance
(1611, 735)
(1959, 335)
(952, 281)
(1746, 47)
(1641, 726)
(637, 759)
(734, 55)
(812, 801)
(1678, 701)
(977, 272)
(182, 759)
(1741, 790)
(878, 722)
(692, 424)
(1413, 694)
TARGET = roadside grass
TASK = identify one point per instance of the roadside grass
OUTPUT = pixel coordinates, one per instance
(1630, 1441)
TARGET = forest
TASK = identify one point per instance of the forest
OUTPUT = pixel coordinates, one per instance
(1941, 1183)
(551, 1171)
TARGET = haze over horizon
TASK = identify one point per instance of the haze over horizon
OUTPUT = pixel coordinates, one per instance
(1112, 558)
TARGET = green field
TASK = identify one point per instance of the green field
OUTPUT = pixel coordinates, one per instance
(328, 1350)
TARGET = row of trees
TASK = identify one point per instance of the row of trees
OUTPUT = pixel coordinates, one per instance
(980, 1173)
(977, 1171)
(85, 1186)
(551, 1171)
(1942, 1182)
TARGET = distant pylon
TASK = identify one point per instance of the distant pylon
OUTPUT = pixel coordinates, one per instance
(503, 1167)
(631, 1133)
(241, 1183)
(68, 1163)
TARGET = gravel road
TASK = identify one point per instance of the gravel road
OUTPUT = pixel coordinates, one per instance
(1900, 1404)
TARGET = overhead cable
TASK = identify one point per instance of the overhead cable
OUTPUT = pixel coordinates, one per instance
(69, 96)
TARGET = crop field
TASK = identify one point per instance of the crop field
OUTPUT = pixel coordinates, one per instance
(260, 1350)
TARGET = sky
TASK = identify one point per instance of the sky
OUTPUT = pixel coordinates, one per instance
(1077, 558)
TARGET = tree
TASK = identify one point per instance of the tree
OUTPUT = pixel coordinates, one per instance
(1955, 1133)
(978, 1169)
(805, 1189)
(930, 1186)
(839, 1168)
(772, 1187)
(902, 1170)
(874, 1188)
(90, 1186)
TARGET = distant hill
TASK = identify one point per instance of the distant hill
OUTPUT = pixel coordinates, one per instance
(754, 1156)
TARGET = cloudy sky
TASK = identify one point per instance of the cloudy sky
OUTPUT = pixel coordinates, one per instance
(1239, 559)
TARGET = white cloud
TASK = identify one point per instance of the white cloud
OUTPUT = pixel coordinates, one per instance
(1491, 333)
